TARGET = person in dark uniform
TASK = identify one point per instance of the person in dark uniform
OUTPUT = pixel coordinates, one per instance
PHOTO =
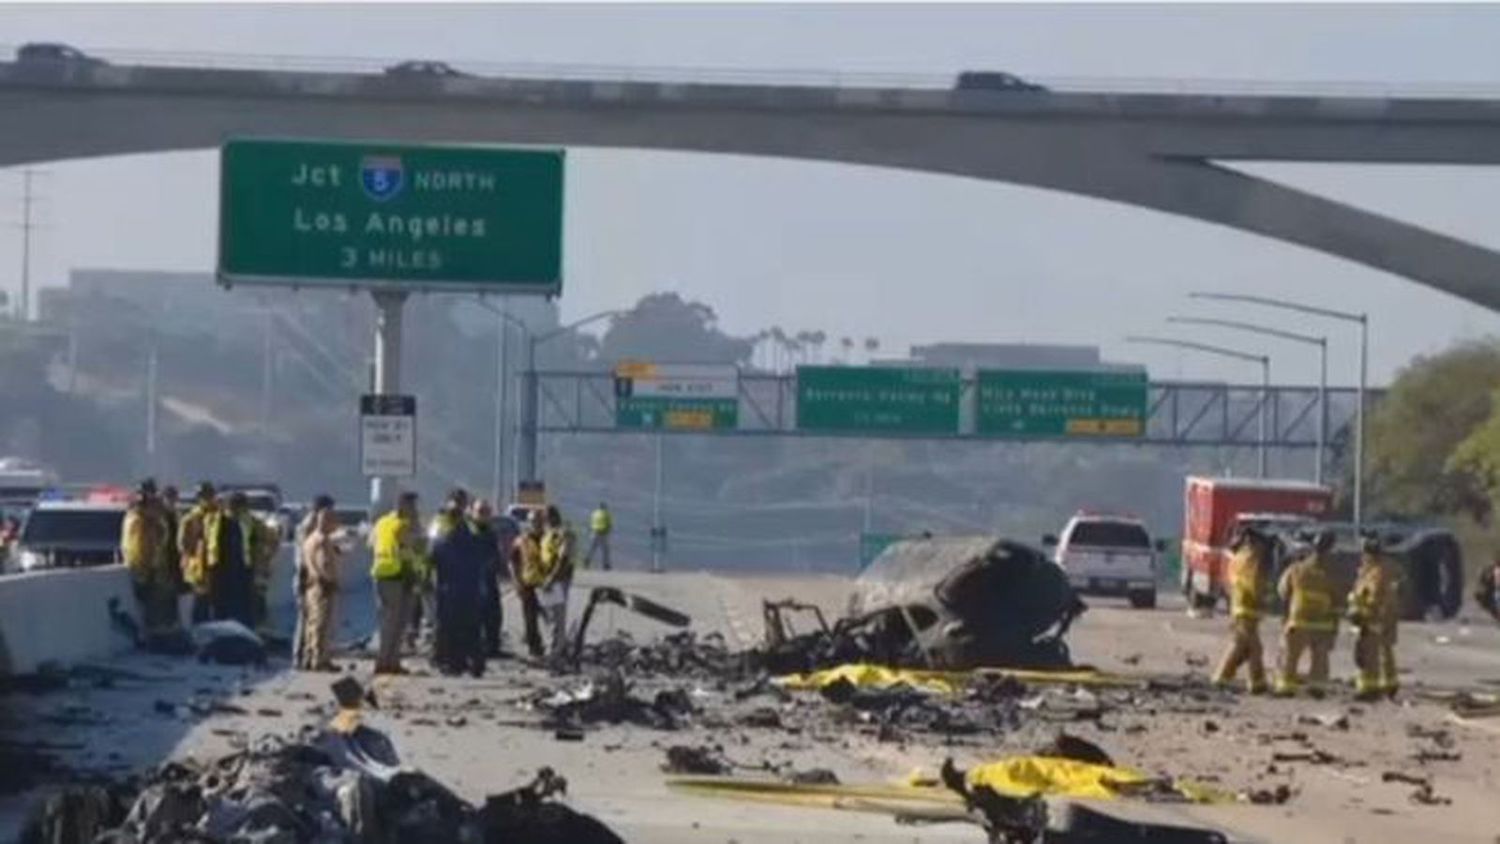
(233, 582)
(462, 560)
(492, 613)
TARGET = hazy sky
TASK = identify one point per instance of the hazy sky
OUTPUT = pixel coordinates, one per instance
(906, 257)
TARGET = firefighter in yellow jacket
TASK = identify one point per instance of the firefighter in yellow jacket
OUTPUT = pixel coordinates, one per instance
(143, 547)
(1375, 609)
(192, 549)
(1249, 582)
(1312, 617)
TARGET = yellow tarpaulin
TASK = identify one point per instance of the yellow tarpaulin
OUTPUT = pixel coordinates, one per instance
(1016, 776)
(1023, 776)
(867, 675)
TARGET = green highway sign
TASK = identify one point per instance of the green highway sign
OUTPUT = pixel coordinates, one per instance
(1023, 403)
(677, 397)
(677, 414)
(459, 218)
(856, 398)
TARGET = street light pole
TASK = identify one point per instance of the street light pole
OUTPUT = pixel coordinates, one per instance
(1320, 342)
(530, 400)
(1265, 375)
(1363, 320)
(503, 321)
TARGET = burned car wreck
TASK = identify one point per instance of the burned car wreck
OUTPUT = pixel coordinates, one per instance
(941, 602)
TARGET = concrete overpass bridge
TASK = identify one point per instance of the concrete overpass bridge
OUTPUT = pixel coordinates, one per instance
(1159, 151)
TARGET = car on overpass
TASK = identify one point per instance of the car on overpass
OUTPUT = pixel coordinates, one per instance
(70, 534)
(423, 69)
(43, 52)
(994, 80)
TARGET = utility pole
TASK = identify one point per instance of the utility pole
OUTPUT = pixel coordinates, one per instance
(27, 226)
(267, 371)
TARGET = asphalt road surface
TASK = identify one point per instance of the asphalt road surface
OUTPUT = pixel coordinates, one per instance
(615, 771)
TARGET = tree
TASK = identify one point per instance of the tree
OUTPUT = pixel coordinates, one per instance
(847, 344)
(819, 339)
(665, 327)
(1416, 466)
(872, 345)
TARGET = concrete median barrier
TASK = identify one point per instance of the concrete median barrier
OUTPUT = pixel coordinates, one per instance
(61, 616)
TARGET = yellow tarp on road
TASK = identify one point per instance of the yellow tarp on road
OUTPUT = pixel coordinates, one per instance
(1016, 776)
(1023, 776)
(866, 675)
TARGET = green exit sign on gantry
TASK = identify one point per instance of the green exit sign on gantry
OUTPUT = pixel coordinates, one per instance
(856, 399)
(1022, 403)
(368, 214)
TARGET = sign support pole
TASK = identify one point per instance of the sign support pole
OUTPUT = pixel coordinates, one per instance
(658, 530)
(388, 311)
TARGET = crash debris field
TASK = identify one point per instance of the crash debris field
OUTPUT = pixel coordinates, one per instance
(666, 733)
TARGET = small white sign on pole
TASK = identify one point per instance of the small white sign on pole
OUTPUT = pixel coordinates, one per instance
(388, 435)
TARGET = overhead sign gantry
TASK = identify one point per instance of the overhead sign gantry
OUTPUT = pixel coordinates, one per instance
(391, 219)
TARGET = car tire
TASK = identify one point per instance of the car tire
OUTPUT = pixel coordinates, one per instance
(1143, 599)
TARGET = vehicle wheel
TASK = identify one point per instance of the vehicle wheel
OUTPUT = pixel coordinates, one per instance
(1143, 599)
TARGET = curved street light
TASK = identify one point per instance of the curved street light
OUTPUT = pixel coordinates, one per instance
(1363, 320)
(530, 399)
(1265, 374)
(1308, 339)
(504, 319)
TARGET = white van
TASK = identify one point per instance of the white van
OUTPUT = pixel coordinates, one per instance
(1105, 554)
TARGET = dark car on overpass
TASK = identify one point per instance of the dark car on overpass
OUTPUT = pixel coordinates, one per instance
(54, 54)
(426, 69)
(994, 80)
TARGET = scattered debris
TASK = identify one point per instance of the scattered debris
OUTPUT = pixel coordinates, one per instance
(1425, 796)
(1269, 796)
(764, 717)
(1065, 746)
(813, 776)
(1314, 756)
(607, 698)
(1331, 720)
(682, 759)
(636, 603)
(1403, 777)
(228, 642)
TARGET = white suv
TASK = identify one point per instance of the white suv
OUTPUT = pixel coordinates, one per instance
(1108, 555)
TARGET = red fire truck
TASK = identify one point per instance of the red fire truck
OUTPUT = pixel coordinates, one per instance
(1214, 507)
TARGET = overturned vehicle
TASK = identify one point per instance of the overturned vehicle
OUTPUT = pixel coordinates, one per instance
(940, 602)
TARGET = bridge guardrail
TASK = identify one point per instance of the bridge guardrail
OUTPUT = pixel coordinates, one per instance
(809, 77)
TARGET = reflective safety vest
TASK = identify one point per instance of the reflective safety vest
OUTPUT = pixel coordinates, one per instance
(213, 532)
(535, 566)
(600, 521)
(558, 547)
(1307, 586)
(1246, 584)
(440, 526)
(193, 547)
(1376, 597)
(396, 552)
